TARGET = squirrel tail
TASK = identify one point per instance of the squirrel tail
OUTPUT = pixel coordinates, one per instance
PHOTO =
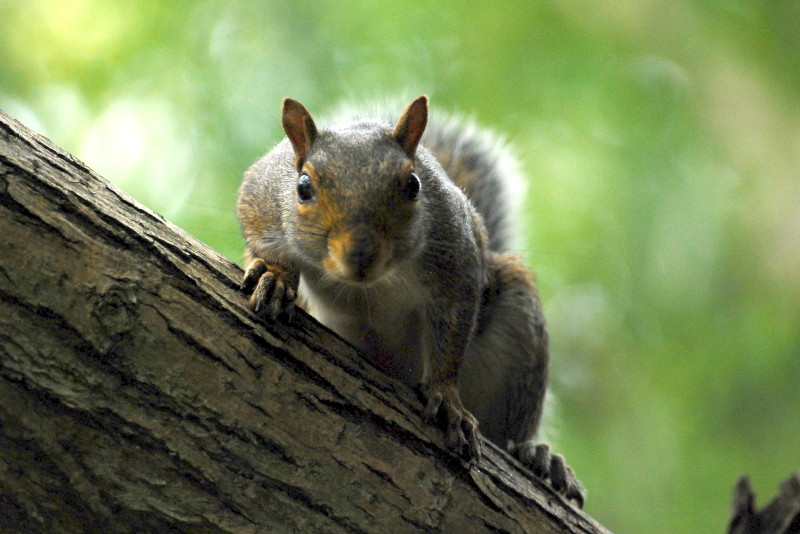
(481, 165)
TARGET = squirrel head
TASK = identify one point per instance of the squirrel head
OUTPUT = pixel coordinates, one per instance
(357, 200)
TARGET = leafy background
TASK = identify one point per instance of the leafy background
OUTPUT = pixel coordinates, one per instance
(660, 142)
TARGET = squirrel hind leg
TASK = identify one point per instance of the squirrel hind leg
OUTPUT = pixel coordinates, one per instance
(550, 466)
(504, 376)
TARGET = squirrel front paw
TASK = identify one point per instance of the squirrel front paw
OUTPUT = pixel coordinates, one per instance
(273, 289)
(546, 465)
(461, 428)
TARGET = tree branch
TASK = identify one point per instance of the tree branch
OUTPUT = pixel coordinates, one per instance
(137, 391)
(780, 516)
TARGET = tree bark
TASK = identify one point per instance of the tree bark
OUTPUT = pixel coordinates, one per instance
(139, 394)
(780, 516)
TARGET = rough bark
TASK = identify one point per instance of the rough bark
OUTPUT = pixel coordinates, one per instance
(780, 516)
(139, 394)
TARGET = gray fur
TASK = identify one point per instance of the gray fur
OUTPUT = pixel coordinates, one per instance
(436, 300)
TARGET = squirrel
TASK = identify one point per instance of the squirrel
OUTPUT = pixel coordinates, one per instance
(401, 248)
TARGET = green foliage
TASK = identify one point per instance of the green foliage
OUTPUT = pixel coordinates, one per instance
(660, 146)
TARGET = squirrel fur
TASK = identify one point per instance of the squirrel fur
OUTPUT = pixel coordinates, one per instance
(396, 236)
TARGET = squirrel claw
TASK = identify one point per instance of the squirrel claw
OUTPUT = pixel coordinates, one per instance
(546, 465)
(432, 408)
(273, 294)
(253, 274)
(461, 428)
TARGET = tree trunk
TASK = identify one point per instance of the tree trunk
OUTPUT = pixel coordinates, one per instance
(139, 394)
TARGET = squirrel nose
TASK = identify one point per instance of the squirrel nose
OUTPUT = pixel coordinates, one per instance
(362, 253)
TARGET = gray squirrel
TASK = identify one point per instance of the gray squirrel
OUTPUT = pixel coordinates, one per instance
(401, 247)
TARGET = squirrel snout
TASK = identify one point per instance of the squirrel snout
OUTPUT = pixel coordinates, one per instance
(355, 255)
(362, 254)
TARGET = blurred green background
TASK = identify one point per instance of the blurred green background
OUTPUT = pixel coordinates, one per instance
(660, 141)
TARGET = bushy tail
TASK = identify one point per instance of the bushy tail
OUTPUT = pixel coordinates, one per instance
(481, 165)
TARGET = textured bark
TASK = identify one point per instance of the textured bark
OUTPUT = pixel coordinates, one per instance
(780, 516)
(139, 394)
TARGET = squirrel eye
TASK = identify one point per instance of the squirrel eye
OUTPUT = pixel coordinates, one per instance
(305, 189)
(411, 187)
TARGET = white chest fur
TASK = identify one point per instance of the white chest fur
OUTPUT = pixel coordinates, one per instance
(386, 320)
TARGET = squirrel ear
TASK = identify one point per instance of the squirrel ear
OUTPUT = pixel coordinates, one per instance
(411, 125)
(299, 128)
